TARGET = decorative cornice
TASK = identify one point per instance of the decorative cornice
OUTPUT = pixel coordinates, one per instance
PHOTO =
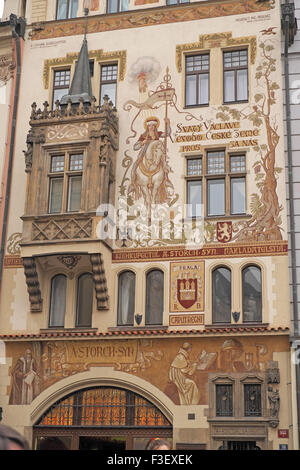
(98, 55)
(149, 17)
(135, 333)
(209, 41)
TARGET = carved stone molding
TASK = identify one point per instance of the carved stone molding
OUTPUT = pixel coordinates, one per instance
(99, 281)
(209, 41)
(67, 131)
(273, 373)
(69, 261)
(138, 18)
(62, 228)
(33, 285)
(7, 67)
(98, 55)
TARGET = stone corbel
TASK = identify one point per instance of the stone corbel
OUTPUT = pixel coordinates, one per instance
(99, 281)
(33, 285)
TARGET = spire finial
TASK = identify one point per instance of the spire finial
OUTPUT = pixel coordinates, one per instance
(86, 12)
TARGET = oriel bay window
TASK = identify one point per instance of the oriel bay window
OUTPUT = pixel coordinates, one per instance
(197, 80)
(65, 182)
(217, 181)
(235, 64)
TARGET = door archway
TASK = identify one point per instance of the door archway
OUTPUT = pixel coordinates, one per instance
(100, 418)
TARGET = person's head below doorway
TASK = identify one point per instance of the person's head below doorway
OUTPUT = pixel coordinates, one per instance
(156, 443)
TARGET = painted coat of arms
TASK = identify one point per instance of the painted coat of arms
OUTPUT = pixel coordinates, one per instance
(187, 287)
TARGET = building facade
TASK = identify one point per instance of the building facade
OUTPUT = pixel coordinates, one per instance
(145, 278)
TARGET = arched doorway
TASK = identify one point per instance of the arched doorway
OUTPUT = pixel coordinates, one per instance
(100, 418)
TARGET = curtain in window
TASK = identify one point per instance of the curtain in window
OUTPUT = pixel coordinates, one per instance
(85, 292)
(126, 298)
(252, 294)
(216, 197)
(221, 295)
(154, 297)
(58, 301)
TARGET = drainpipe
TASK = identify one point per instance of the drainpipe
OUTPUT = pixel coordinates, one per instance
(18, 30)
(289, 27)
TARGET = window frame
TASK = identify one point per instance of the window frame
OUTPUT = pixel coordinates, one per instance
(69, 2)
(223, 322)
(118, 9)
(66, 176)
(57, 70)
(108, 82)
(249, 265)
(50, 314)
(80, 276)
(119, 323)
(235, 70)
(147, 322)
(228, 176)
(197, 74)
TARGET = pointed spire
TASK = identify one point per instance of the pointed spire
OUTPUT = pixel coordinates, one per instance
(81, 87)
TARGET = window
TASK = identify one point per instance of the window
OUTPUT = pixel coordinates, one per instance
(65, 182)
(58, 301)
(252, 400)
(194, 186)
(109, 77)
(126, 298)
(224, 400)
(176, 2)
(84, 300)
(252, 294)
(154, 297)
(197, 80)
(221, 295)
(66, 9)
(113, 6)
(61, 84)
(235, 65)
(218, 182)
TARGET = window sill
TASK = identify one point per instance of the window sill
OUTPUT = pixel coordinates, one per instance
(229, 216)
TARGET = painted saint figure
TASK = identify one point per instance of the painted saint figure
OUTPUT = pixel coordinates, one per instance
(180, 372)
(25, 385)
(149, 176)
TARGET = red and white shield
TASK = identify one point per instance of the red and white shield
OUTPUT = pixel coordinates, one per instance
(187, 292)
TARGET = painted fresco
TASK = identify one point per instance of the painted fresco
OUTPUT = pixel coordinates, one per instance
(160, 130)
(180, 368)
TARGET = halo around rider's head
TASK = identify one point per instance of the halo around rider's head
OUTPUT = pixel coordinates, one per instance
(151, 120)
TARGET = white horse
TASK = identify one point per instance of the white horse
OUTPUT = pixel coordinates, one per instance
(149, 175)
